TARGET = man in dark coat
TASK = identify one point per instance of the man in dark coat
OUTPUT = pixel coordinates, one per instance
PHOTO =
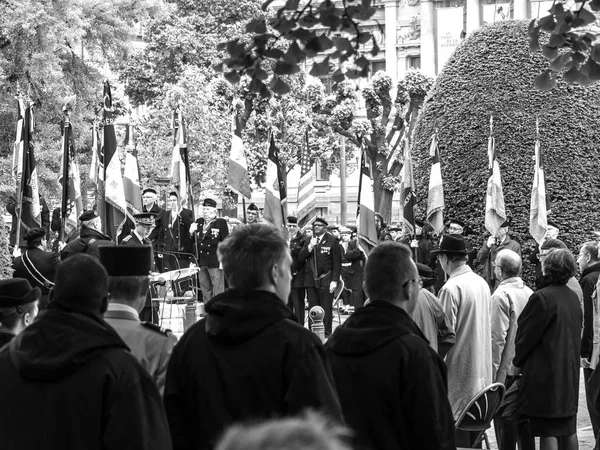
(150, 205)
(89, 239)
(323, 259)
(36, 264)
(392, 385)
(489, 250)
(69, 381)
(589, 266)
(71, 232)
(173, 243)
(207, 232)
(18, 307)
(298, 291)
(11, 207)
(248, 359)
(352, 270)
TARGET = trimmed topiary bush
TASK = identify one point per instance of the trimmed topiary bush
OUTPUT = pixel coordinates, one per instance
(6, 270)
(492, 73)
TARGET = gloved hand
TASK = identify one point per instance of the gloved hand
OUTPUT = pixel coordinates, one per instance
(193, 228)
(332, 286)
(414, 243)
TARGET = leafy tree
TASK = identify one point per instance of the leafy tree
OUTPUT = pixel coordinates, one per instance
(381, 132)
(6, 269)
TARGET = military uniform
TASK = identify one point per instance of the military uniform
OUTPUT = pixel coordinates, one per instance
(133, 239)
(207, 237)
(150, 344)
(298, 291)
(39, 268)
(173, 240)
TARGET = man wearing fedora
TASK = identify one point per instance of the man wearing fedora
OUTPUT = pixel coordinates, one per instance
(90, 238)
(207, 232)
(37, 265)
(323, 258)
(466, 300)
(18, 307)
(128, 283)
(71, 381)
(490, 249)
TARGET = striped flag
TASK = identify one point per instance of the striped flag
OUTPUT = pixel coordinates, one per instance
(131, 175)
(17, 163)
(538, 214)
(179, 169)
(307, 199)
(70, 180)
(407, 190)
(95, 168)
(112, 207)
(365, 215)
(237, 175)
(495, 213)
(275, 192)
(435, 198)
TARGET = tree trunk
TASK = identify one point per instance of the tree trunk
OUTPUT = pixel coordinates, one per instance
(383, 197)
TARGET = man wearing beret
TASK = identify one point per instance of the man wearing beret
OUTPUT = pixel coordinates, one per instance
(466, 301)
(323, 259)
(36, 264)
(207, 232)
(18, 307)
(90, 237)
(128, 268)
(252, 214)
(12, 207)
(173, 241)
(69, 380)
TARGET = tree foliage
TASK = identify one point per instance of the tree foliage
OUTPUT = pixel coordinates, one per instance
(492, 73)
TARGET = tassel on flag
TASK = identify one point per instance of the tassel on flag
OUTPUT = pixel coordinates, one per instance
(538, 214)
(275, 192)
(69, 178)
(307, 199)
(179, 170)
(495, 213)
(365, 215)
(407, 190)
(435, 198)
(131, 176)
(112, 207)
(237, 175)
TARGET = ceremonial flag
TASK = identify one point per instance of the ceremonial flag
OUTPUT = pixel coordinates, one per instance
(307, 200)
(95, 168)
(179, 164)
(365, 215)
(17, 163)
(28, 207)
(275, 192)
(495, 213)
(131, 176)
(237, 175)
(69, 179)
(538, 215)
(407, 190)
(112, 206)
(435, 198)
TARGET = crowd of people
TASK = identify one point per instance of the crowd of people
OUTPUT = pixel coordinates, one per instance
(86, 365)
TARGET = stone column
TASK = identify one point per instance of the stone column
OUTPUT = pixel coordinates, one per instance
(391, 25)
(473, 15)
(522, 9)
(428, 49)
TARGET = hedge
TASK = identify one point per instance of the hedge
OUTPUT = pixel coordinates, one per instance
(492, 73)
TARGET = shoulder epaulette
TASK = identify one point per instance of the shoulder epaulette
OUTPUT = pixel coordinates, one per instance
(157, 328)
(126, 238)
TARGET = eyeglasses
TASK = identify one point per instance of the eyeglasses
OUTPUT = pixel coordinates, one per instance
(409, 281)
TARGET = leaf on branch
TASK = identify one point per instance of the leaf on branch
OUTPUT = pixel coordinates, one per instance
(343, 44)
(547, 23)
(545, 81)
(218, 67)
(330, 19)
(364, 37)
(595, 53)
(559, 63)
(587, 17)
(236, 49)
(362, 62)
(320, 69)
(292, 5)
(258, 73)
(286, 68)
(549, 52)
(257, 26)
(572, 75)
(534, 36)
(595, 5)
(338, 76)
(278, 86)
(266, 4)
(594, 70)
(274, 53)
(302, 34)
(375, 49)
(233, 77)
(325, 42)
(557, 40)
(258, 87)
(294, 53)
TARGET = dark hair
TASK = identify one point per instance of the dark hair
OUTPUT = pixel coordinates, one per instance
(129, 289)
(35, 243)
(559, 266)
(9, 317)
(81, 284)
(388, 267)
(591, 248)
(249, 253)
(552, 244)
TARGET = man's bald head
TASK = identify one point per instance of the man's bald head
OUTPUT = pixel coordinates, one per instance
(510, 263)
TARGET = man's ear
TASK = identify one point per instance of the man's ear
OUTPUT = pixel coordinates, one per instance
(274, 274)
(104, 304)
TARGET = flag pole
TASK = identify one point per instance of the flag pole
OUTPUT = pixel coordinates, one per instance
(21, 187)
(65, 178)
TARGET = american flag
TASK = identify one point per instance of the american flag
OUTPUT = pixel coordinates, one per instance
(307, 200)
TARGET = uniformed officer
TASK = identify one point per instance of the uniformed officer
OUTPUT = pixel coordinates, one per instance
(128, 268)
(18, 307)
(252, 214)
(36, 264)
(207, 232)
(144, 224)
(90, 237)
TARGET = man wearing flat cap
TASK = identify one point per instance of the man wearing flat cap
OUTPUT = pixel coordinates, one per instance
(90, 237)
(207, 232)
(71, 381)
(490, 249)
(323, 259)
(466, 300)
(128, 268)
(173, 241)
(37, 265)
(18, 307)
